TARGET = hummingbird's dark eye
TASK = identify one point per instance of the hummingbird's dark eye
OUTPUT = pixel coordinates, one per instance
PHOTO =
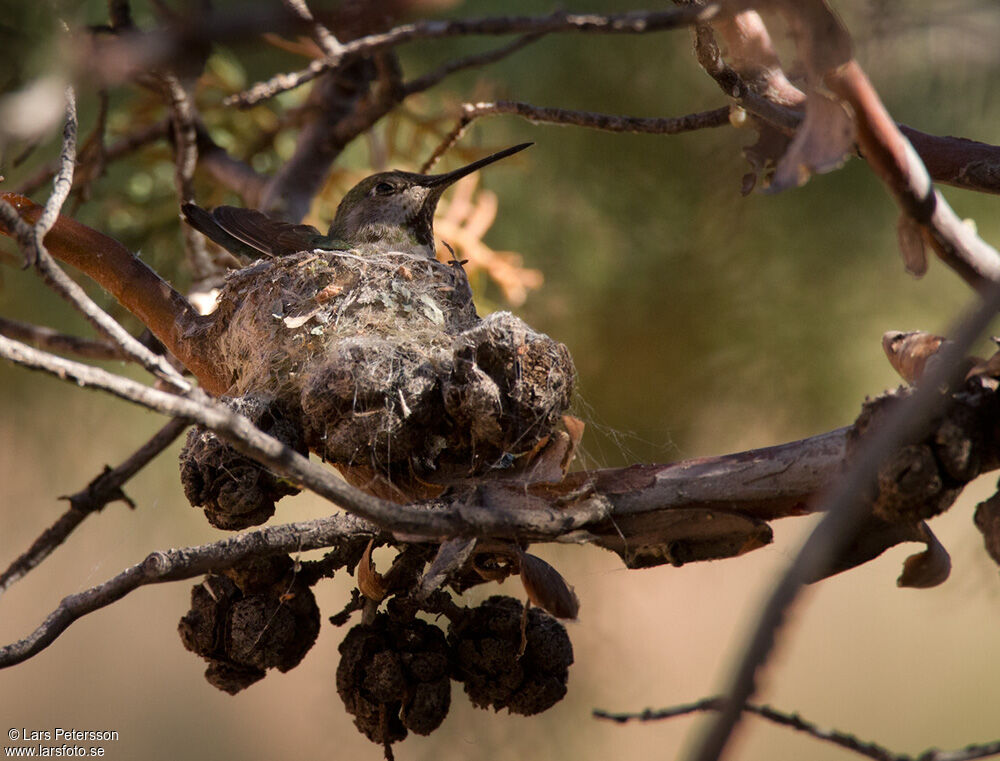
(384, 188)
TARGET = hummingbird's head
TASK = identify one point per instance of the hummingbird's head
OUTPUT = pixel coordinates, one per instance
(398, 207)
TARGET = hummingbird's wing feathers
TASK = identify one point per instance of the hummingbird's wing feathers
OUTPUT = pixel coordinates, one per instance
(203, 222)
(270, 236)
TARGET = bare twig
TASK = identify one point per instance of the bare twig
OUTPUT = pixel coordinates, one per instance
(836, 737)
(623, 23)
(186, 563)
(63, 181)
(326, 39)
(107, 487)
(93, 155)
(121, 147)
(342, 108)
(793, 720)
(52, 340)
(608, 122)
(431, 78)
(968, 753)
(185, 139)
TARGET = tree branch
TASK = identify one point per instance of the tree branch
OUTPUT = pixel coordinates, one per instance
(136, 287)
(185, 143)
(608, 122)
(757, 82)
(326, 39)
(845, 509)
(823, 45)
(898, 165)
(47, 338)
(623, 23)
(793, 720)
(186, 563)
(107, 487)
(431, 78)
(47, 220)
(649, 514)
(125, 145)
(516, 521)
(342, 108)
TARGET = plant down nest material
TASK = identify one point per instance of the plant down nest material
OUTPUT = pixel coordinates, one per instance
(388, 364)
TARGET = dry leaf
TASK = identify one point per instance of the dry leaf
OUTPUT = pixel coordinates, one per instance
(451, 556)
(821, 144)
(928, 568)
(545, 466)
(763, 155)
(574, 427)
(989, 368)
(909, 351)
(547, 588)
(370, 582)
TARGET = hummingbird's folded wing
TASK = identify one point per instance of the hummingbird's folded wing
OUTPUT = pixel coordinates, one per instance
(253, 233)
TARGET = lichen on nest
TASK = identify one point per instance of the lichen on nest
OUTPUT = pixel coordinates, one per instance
(388, 362)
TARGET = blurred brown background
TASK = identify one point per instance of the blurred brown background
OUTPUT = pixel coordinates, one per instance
(701, 322)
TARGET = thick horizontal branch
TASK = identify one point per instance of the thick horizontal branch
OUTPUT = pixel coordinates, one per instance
(825, 46)
(711, 506)
(649, 514)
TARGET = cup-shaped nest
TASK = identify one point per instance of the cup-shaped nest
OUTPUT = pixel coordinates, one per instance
(388, 363)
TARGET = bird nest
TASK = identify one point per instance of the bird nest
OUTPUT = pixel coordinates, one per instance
(387, 365)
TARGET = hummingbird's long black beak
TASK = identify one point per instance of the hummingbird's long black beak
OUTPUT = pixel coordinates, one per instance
(444, 180)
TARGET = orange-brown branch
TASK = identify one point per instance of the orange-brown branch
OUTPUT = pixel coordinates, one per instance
(138, 288)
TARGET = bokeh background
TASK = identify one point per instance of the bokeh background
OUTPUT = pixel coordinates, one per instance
(701, 322)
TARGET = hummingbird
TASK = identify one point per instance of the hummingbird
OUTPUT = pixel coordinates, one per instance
(388, 211)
